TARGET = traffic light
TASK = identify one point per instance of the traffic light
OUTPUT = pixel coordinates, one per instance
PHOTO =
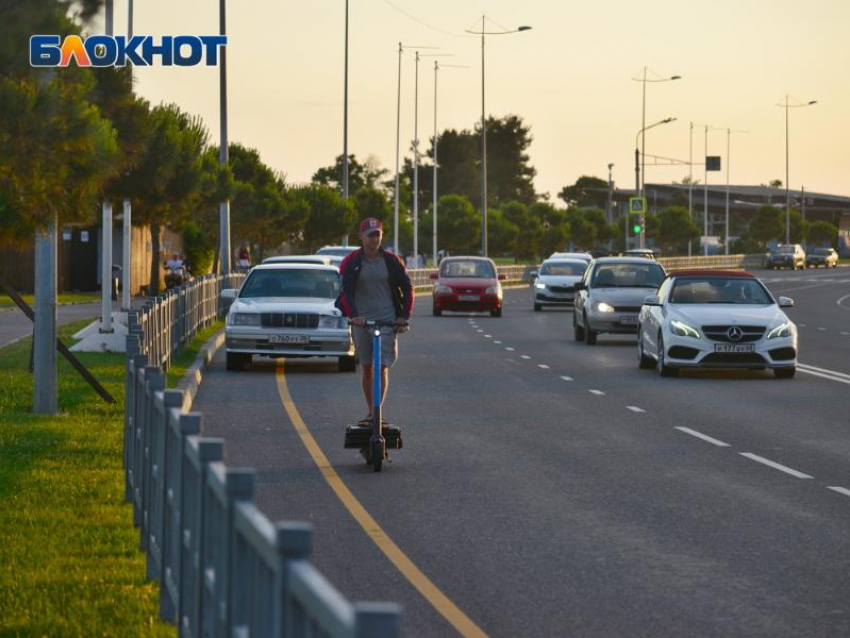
(637, 224)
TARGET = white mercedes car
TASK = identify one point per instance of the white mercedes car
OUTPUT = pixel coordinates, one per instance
(554, 284)
(716, 319)
(287, 310)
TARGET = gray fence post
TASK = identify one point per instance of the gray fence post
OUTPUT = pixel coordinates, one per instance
(377, 620)
(198, 455)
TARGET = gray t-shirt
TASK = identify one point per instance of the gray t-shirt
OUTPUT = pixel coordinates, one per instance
(372, 292)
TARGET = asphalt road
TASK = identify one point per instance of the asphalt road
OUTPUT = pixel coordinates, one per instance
(550, 488)
(14, 324)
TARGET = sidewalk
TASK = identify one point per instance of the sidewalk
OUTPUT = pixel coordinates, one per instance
(15, 325)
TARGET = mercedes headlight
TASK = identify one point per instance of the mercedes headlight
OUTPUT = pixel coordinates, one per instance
(245, 319)
(443, 290)
(333, 322)
(604, 307)
(782, 330)
(683, 329)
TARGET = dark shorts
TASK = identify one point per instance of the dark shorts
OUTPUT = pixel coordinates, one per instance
(363, 345)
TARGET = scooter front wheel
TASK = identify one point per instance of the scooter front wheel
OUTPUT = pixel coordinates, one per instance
(377, 453)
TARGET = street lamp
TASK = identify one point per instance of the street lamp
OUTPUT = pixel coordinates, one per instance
(416, 155)
(786, 106)
(644, 80)
(436, 69)
(224, 207)
(482, 33)
(638, 173)
(401, 48)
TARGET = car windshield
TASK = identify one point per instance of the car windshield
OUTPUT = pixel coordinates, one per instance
(822, 251)
(291, 283)
(341, 251)
(719, 290)
(471, 268)
(565, 269)
(785, 250)
(627, 276)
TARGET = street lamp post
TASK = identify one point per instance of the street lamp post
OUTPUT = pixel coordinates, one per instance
(786, 106)
(437, 67)
(401, 49)
(345, 116)
(223, 152)
(482, 33)
(643, 80)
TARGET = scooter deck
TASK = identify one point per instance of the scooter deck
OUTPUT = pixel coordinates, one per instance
(358, 436)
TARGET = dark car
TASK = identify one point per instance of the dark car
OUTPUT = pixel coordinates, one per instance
(826, 257)
(467, 284)
(787, 256)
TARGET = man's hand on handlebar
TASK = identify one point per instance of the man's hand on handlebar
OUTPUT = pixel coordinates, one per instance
(401, 325)
(358, 321)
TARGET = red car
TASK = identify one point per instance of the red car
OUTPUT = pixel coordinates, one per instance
(467, 284)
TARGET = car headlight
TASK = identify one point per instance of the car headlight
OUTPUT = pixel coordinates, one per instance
(782, 330)
(494, 290)
(683, 329)
(333, 322)
(443, 290)
(604, 307)
(540, 286)
(245, 319)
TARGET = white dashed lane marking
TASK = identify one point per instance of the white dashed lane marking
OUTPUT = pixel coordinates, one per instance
(488, 336)
(840, 490)
(634, 408)
(542, 366)
(509, 349)
(567, 378)
(498, 343)
(774, 465)
(598, 393)
(524, 356)
(702, 436)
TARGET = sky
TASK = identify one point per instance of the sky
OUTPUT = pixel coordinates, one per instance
(569, 78)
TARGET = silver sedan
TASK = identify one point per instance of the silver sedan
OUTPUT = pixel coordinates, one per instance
(611, 294)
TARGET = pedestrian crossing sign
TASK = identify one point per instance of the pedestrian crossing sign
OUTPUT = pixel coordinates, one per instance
(637, 205)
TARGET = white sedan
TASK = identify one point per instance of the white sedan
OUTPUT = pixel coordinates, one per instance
(716, 319)
(554, 284)
(287, 310)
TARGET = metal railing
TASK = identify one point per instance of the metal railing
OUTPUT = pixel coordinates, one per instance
(223, 568)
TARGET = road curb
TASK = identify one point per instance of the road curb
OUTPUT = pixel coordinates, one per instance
(191, 381)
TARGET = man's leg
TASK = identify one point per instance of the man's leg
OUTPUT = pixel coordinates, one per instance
(366, 381)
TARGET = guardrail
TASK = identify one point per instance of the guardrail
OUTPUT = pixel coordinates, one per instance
(421, 277)
(223, 568)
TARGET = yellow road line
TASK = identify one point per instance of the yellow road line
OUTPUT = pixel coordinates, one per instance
(445, 607)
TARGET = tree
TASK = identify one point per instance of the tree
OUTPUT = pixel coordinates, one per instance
(605, 232)
(530, 228)
(582, 231)
(328, 215)
(509, 175)
(675, 229)
(458, 225)
(799, 227)
(170, 176)
(766, 225)
(366, 175)
(501, 234)
(587, 191)
(822, 233)
(555, 229)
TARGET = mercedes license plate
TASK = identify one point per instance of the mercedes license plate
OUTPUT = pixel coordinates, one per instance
(630, 319)
(468, 298)
(734, 347)
(289, 339)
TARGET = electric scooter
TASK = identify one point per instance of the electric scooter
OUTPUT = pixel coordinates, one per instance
(372, 442)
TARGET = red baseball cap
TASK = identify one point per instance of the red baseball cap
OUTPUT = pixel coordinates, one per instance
(370, 225)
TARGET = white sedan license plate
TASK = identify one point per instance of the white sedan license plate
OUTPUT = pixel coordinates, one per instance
(289, 339)
(734, 347)
(468, 298)
(630, 319)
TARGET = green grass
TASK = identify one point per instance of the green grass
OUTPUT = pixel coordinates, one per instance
(184, 360)
(6, 302)
(69, 558)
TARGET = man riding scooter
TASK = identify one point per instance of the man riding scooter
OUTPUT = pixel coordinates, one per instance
(175, 272)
